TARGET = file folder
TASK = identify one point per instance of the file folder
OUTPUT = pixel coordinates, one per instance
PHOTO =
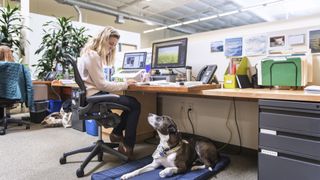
(282, 72)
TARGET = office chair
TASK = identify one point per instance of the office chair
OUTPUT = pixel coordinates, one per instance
(15, 85)
(99, 108)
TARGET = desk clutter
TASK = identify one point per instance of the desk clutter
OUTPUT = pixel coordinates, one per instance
(294, 70)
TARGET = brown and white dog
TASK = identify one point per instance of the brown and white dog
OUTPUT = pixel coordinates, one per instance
(175, 154)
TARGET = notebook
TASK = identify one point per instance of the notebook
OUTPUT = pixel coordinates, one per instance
(134, 63)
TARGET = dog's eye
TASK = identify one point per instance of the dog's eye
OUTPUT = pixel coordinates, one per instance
(158, 118)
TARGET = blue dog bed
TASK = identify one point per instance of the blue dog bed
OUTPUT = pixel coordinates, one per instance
(117, 172)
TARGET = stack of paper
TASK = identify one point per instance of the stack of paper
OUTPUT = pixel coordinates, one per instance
(312, 89)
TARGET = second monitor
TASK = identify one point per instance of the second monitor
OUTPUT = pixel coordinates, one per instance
(169, 54)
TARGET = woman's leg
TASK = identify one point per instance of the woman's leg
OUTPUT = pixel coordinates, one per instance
(129, 120)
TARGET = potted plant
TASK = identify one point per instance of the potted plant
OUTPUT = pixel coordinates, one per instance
(60, 38)
(10, 29)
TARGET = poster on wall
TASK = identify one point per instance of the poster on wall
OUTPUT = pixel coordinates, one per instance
(314, 41)
(255, 45)
(277, 42)
(216, 46)
(294, 40)
(233, 47)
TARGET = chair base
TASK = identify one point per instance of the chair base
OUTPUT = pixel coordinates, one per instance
(95, 150)
(6, 120)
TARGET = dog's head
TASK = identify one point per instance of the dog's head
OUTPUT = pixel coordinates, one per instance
(166, 129)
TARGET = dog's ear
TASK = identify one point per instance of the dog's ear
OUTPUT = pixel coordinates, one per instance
(172, 129)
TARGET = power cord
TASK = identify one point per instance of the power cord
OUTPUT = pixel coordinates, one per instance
(189, 110)
(236, 121)
(229, 129)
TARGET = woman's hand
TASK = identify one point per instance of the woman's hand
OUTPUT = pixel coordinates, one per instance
(131, 81)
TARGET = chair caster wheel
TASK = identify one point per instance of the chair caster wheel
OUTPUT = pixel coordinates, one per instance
(100, 157)
(63, 160)
(80, 172)
(27, 126)
(2, 131)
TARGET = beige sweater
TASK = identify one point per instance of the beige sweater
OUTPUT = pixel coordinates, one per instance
(90, 68)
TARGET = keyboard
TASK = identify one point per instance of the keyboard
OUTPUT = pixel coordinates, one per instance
(192, 83)
(129, 71)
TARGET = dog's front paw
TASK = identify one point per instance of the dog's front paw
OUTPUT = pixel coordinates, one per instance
(126, 176)
(165, 173)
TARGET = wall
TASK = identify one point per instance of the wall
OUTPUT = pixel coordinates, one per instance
(52, 8)
(35, 36)
(210, 115)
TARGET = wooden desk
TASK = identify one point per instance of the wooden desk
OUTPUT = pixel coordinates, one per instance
(173, 89)
(296, 95)
(56, 91)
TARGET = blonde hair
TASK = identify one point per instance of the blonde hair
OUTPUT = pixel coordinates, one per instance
(6, 54)
(99, 44)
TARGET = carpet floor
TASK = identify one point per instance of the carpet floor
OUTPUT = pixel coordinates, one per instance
(34, 154)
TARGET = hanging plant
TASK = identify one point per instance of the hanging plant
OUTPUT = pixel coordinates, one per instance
(60, 38)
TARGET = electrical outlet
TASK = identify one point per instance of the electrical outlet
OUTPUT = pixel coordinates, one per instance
(190, 106)
(182, 105)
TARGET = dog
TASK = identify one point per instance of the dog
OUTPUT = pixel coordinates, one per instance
(175, 154)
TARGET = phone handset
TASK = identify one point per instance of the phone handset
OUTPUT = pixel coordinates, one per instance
(206, 74)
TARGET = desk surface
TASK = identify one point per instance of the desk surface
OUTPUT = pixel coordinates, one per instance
(215, 90)
(172, 89)
(298, 95)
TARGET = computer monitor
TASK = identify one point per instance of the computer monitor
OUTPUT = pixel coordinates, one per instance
(134, 60)
(169, 54)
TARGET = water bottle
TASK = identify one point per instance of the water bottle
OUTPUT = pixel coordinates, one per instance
(188, 72)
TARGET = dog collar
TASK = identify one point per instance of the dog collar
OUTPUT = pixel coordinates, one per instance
(163, 152)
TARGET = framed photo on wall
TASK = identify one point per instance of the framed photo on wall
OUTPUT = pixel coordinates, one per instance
(255, 45)
(314, 41)
(298, 39)
(216, 46)
(277, 42)
(233, 47)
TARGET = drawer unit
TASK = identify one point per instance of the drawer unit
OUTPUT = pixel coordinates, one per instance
(282, 168)
(289, 140)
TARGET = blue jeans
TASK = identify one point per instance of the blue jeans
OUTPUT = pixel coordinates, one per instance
(129, 119)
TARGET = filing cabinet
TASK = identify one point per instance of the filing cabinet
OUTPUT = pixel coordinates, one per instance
(289, 140)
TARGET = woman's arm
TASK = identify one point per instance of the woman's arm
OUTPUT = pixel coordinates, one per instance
(94, 66)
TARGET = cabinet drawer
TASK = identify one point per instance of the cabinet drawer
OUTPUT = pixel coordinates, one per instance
(282, 168)
(290, 123)
(313, 106)
(291, 145)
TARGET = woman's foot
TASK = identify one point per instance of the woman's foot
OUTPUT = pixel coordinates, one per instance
(115, 138)
(126, 150)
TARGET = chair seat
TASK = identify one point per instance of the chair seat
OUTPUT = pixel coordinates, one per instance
(103, 98)
(8, 102)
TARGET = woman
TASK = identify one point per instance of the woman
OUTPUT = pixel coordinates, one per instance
(96, 54)
(6, 54)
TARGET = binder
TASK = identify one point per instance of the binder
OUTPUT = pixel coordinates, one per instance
(230, 80)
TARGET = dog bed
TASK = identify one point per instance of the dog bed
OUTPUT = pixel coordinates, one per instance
(117, 172)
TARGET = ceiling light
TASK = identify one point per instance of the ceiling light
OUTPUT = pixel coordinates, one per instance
(148, 31)
(174, 25)
(191, 21)
(160, 28)
(217, 15)
(207, 18)
(228, 13)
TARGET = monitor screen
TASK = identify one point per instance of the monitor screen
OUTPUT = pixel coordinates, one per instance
(169, 54)
(134, 60)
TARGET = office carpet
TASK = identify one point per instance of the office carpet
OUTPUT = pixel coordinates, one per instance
(34, 154)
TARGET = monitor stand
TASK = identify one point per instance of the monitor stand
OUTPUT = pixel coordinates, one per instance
(169, 76)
